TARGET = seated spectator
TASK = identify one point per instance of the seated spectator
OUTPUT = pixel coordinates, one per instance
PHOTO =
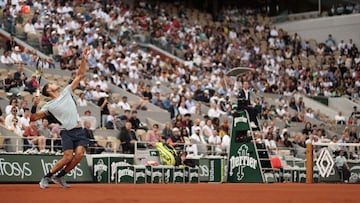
(15, 127)
(147, 93)
(12, 103)
(270, 144)
(355, 113)
(215, 142)
(128, 139)
(136, 123)
(6, 58)
(123, 104)
(29, 27)
(94, 147)
(9, 118)
(340, 119)
(33, 137)
(111, 119)
(176, 140)
(88, 117)
(153, 136)
(307, 130)
(167, 131)
(81, 101)
(33, 84)
(286, 140)
(16, 56)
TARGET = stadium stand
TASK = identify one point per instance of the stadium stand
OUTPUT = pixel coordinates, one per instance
(189, 53)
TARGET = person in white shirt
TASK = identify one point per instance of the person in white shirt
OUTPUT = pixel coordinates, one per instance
(340, 119)
(123, 104)
(39, 26)
(24, 121)
(6, 58)
(132, 87)
(104, 84)
(207, 130)
(95, 82)
(97, 93)
(214, 111)
(9, 118)
(156, 88)
(270, 144)
(215, 142)
(29, 27)
(81, 100)
(133, 73)
(225, 143)
(16, 56)
(182, 108)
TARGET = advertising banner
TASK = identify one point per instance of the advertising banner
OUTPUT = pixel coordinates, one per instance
(243, 163)
(31, 168)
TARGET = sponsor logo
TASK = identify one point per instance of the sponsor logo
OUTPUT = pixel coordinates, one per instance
(178, 174)
(74, 173)
(325, 163)
(193, 175)
(100, 168)
(156, 174)
(125, 172)
(241, 161)
(114, 165)
(140, 175)
(212, 171)
(240, 120)
(16, 169)
(167, 175)
(203, 170)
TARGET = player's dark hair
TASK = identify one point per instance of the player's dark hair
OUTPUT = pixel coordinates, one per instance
(44, 90)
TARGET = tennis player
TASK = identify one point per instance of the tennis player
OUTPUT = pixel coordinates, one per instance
(62, 109)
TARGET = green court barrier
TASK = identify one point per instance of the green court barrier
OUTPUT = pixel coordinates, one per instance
(104, 166)
(31, 168)
(140, 174)
(192, 175)
(211, 169)
(168, 174)
(125, 174)
(179, 175)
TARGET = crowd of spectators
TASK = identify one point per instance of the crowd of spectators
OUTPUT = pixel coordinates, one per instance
(285, 63)
(344, 9)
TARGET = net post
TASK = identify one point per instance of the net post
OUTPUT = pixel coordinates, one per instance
(309, 163)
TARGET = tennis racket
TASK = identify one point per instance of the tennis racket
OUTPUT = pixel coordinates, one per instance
(38, 73)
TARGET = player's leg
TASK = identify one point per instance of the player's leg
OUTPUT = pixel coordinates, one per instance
(65, 160)
(68, 147)
(80, 142)
(59, 178)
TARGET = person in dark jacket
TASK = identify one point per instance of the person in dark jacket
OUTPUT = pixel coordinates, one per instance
(128, 139)
(94, 147)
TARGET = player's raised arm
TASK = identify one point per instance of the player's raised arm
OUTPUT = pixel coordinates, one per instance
(81, 71)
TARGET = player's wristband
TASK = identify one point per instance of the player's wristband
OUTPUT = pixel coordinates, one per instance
(33, 109)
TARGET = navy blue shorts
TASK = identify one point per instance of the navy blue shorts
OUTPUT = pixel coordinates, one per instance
(73, 138)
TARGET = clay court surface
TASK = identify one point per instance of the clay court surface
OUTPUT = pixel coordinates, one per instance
(189, 193)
